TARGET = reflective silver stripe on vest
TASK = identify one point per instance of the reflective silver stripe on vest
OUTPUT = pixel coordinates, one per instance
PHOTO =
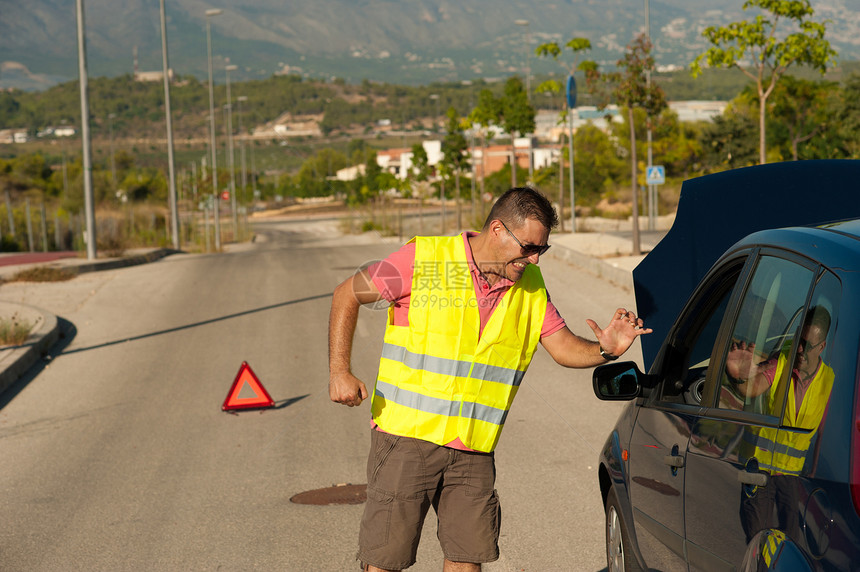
(762, 466)
(484, 413)
(496, 373)
(778, 470)
(445, 366)
(777, 448)
(417, 401)
(438, 406)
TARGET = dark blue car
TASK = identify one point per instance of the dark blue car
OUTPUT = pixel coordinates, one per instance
(740, 448)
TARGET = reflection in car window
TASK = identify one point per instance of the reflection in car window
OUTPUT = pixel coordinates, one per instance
(766, 324)
(813, 379)
(799, 394)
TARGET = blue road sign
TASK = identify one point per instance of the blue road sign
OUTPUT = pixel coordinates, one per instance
(655, 175)
(571, 92)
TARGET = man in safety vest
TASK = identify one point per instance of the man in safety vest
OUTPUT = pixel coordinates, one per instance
(808, 387)
(465, 315)
(784, 453)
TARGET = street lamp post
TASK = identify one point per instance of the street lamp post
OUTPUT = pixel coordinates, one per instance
(652, 189)
(240, 99)
(210, 13)
(89, 202)
(228, 69)
(571, 106)
(171, 169)
(112, 162)
(525, 24)
(435, 97)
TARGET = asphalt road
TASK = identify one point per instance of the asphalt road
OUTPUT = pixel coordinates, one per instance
(117, 456)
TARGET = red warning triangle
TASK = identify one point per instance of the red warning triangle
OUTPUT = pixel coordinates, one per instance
(246, 383)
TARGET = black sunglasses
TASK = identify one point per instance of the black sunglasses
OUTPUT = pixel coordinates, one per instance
(528, 249)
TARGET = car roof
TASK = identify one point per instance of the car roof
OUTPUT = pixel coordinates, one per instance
(834, 244)
(716, 211)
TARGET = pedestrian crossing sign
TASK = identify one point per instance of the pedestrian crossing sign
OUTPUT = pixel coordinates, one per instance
(655, 175)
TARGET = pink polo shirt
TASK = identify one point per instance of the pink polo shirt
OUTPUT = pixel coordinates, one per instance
(393, 278)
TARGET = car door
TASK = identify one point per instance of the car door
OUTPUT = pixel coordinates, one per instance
(725, 474)
(658, 447)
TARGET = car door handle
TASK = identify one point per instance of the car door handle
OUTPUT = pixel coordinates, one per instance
(675, 461)
(748, 478)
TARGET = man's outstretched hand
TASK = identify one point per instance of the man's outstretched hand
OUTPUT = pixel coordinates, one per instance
(740, 361)
(622, 331)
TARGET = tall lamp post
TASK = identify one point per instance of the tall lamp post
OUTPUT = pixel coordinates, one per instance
(229, 106)
(210, 13)
(525, 24)
(571, 105)
(89, 204)
(239, 100)
(435, 97)
(527, 42)
(652, 189)
(112, 161)
(171, 169)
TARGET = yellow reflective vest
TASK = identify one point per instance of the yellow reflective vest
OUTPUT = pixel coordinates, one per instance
(439, 377)
(791, 443)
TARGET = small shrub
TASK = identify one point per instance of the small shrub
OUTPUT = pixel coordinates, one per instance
(43, 274)
(9, 243)
(14, 332)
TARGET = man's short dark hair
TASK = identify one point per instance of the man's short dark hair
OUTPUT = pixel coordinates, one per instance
(521, 203)
(820, 317)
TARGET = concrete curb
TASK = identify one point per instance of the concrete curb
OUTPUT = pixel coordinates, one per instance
(113, 263)
(16, 360)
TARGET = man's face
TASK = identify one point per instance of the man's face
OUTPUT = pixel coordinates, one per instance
(510, 252)
(812, 343)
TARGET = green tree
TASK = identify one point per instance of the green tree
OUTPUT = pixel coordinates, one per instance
(483, 117)
(420, 170)
(729, 141)
(848, 117)
(801, 108)
(313, 178)
(678, 144)
(597, 164)
(771, 53)
(372, 172)
(629, 88)
(418, 175)
(518, 117)
(576, 45)
(455, 156)
(512, 112)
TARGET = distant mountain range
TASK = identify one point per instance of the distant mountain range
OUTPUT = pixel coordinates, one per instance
(394, 41)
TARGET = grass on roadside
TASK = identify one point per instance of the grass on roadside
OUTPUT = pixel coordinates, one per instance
(43, 274)
(14, 332)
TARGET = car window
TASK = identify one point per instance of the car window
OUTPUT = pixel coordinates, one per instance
(768, 320)
(688, 354)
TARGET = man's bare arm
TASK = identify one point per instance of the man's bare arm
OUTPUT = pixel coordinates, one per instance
(348, 297)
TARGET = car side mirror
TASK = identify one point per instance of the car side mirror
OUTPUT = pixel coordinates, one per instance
(619, 381)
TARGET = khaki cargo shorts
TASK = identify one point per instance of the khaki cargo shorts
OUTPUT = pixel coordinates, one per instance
(405, 477)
